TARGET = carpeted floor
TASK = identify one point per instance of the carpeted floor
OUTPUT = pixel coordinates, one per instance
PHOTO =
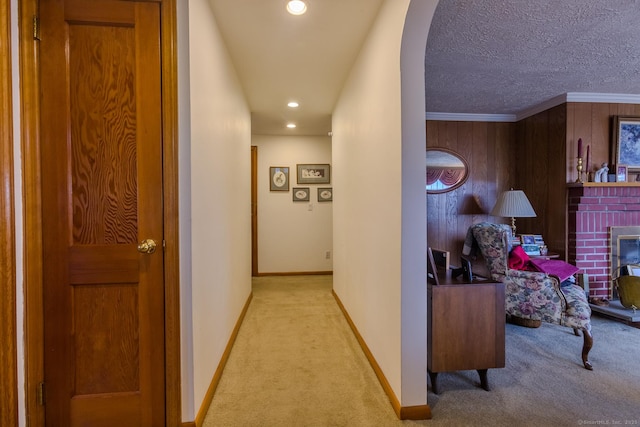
(296, 363)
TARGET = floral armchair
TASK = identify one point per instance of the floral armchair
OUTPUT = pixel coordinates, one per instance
(530, 294)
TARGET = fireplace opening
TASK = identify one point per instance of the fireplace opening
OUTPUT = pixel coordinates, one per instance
(624, 250)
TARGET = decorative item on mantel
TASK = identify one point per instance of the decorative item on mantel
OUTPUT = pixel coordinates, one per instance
(602, 174)
(579, 167)
(588, 164)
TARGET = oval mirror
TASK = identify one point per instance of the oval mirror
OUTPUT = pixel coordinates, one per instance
(446, 170)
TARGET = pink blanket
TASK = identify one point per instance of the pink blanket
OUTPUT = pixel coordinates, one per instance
(556, 267)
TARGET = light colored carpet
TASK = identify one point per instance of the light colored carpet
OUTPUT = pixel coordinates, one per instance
(296, 363)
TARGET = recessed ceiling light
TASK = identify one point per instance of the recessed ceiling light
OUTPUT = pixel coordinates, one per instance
(291, 125)
(296, 7)
(293, 104)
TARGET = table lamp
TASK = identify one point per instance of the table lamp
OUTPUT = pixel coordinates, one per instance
(514, 204)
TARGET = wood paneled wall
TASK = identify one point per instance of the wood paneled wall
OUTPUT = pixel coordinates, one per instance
(546, 151)
(537, 155)
(593, 123)
(489, 150)
(541, 159)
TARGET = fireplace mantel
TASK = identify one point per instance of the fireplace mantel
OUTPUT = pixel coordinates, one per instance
(603, 184)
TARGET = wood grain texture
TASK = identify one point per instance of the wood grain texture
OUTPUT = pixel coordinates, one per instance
(103, 169)
(459, 337)
(31, 147)
(8, 350)
(106, 339)
(150, 205)
(489, 150)
(103, 134)
(103, 264)
(593, 123)
(98, 410)
(536, 154)
(546, 153)
(32, 211)
(99, 11)
(533, 169)
(173, 383)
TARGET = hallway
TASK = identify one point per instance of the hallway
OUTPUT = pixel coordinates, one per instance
(296, 362)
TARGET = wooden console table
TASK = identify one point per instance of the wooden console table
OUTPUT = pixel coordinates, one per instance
(466, 328)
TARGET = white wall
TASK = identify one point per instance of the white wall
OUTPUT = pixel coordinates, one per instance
(378, 176)
(215, 199)
(292, 236)
(414, 208)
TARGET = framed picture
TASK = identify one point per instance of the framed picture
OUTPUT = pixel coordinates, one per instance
(325, 194)
(442, 259)
(531, 249)
(626, 142)
(314, 174)
(528, 239)
(278, 178)
(432, 270)
(300, 194)
(621, 173)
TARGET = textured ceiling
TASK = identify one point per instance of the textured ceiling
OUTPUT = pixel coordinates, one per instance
(506, 56)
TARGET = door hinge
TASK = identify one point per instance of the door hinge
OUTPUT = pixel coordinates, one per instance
(40, 397)
(36, 28)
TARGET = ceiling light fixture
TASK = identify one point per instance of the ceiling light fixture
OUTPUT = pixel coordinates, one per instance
(296, 7)
(293, 104)
(291, 125)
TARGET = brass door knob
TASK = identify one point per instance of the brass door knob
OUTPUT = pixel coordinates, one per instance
(147, 246)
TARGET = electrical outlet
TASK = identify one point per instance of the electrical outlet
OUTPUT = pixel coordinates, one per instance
(327, 255)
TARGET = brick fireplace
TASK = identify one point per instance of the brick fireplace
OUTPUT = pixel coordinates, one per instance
(593, 209)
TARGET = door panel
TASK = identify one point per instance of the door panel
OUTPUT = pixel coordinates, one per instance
(254, 210)
(102, 194)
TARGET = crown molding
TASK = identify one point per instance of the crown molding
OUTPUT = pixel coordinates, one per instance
(469, 117)
(611, 98)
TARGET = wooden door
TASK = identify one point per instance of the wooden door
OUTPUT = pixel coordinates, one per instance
(254, 210)
(101, 166)
(8, 351)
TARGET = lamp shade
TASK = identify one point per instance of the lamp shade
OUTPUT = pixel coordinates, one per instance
(513, 203)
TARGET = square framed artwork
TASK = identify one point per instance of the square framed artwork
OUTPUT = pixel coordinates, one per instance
(314, 173)
(279, 178)
(301, 194)
(325, 194)
(625, 147)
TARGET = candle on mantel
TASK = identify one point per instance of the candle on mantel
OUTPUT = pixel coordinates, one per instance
(588, 165)
(579, 147)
